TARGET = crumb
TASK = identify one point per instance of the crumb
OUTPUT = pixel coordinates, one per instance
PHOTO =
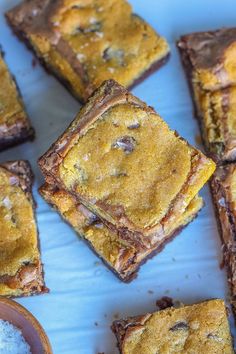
(95, 324)
(150, 292)
(97, 263)
(116, 315)
(34, 62)
(164, 302)
(198, 139)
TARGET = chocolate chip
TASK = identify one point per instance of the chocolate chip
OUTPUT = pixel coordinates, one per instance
(180, 326)
(93, 219)
(94, 27)
(26, 263)
(117, 54)
(134, 126)
(126, 143)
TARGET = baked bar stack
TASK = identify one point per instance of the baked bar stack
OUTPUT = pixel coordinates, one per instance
(210, 65)
(131, 181)
(86, 42)
(15, 126)
(21, 271)
(209, 59)
(200, 328)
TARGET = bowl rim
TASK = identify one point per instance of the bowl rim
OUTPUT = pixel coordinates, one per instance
(30, 318)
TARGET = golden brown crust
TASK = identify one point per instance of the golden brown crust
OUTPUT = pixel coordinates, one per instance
(196, 328)
(15, 126)
(21, 272)
(122, 257)
(85, 43)
(223, 186)
(185, 173)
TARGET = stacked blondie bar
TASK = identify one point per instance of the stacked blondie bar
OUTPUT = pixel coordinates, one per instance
(119, 175)
(132, 181)
(209, 59)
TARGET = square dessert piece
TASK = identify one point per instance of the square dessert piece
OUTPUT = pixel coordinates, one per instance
(21, 271)
(15, 126)
(121, 160)
(223, 187)
(84, 42)
(200, 328)
(210, 65)
(122, 258)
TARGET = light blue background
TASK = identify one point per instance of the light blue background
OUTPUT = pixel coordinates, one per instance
(83, 291)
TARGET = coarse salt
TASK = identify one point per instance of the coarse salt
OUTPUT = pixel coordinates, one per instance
(112, 70)
(7, 203)
(11, 340)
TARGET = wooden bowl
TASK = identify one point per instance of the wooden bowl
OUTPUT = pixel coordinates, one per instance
(31, 329)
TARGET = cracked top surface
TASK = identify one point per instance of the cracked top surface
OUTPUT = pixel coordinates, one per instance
(18, 236)
(88, 42)
(125, 163)
(11, 108)
(201, 328)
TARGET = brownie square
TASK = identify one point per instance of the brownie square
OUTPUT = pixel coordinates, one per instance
(86, 42)
(21, 271)
(15, 126)
(223, 186)
(123, 258)
(200, 328)
(210, 65)
(121, 160)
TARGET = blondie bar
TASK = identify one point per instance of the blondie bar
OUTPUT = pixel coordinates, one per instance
(21, 271)
(200, 328)
(121, 160)
(15, 126)
(210, 65)
(86, 42)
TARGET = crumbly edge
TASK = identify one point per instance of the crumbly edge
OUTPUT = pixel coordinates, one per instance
(22, 35)
(23, 171)
(227, 227)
